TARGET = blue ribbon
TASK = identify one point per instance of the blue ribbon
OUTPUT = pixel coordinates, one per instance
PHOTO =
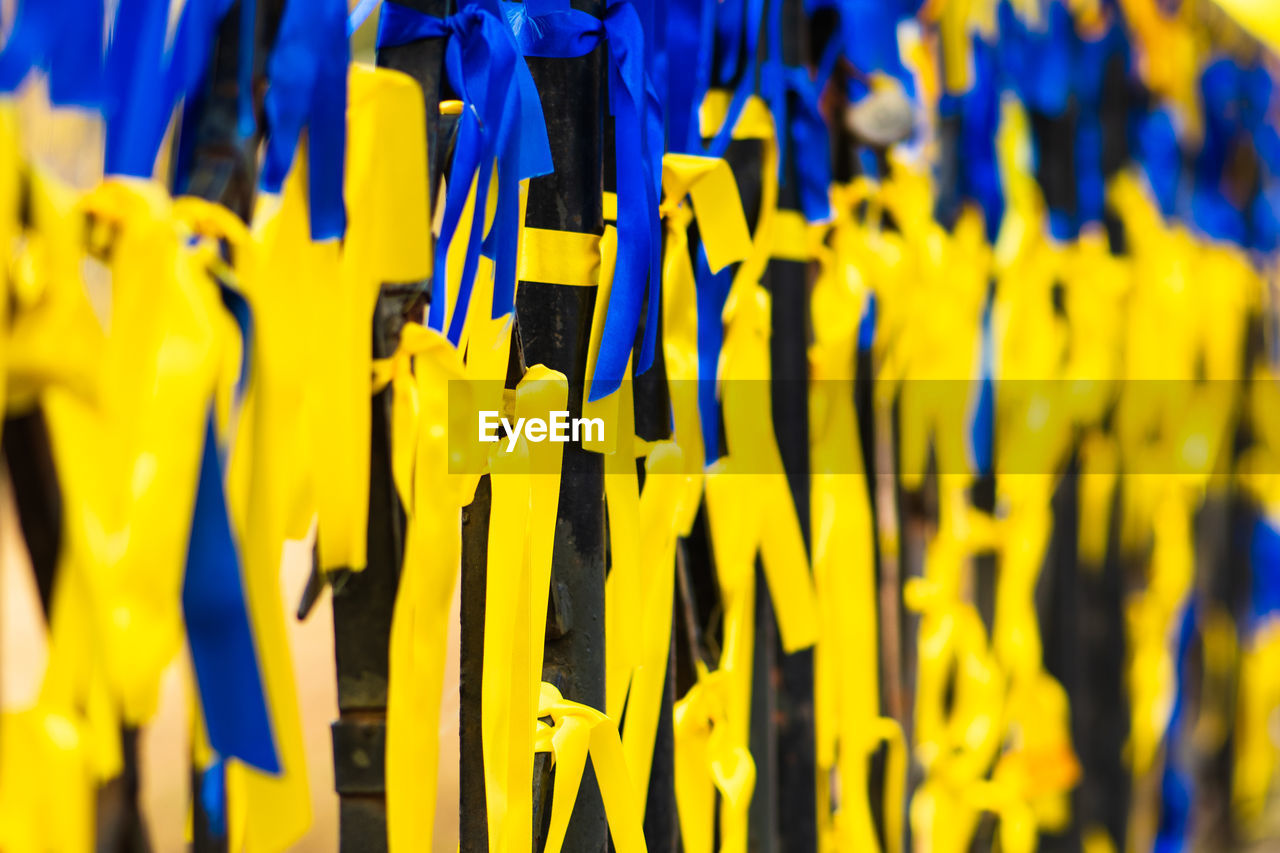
(982, 422)
(978, 109)
(502, 118)
(803, 140)
(804, 132)
(1161, 158)
(219, 630)
(1177, 786)
(145, 78)
(867, 325)
(213, 796)
(755, 10)
(690, 33)
(1264, 565)
(65, 40)
(308, 71)
(712, 289)
(1036, 63)
(1091, 59)
(869, 39)
(570, 33)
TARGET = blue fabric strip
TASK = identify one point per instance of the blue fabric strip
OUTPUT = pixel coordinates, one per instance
(1264, 566)
(712, 289)
(636, 283)
(219, 631)
(502, 118)
(219, 628)
(1177, 784)
(63, 39)
(308, 71)
(982, 423)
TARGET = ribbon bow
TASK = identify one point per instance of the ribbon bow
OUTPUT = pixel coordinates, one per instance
(568, 33)
(713, 199)
(577, 730)
(502, 119)
(708, 760)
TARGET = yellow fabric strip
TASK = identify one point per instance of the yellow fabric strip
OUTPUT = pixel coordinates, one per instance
(606, 408)
(749, 513)
(432, 498)
(577, 731)
(754, 122)
(846, 665)
(1258, 17)
(386, 240)
(560, 257)
(666, 502)
(609, 203)
(521, 535)
(273, 810)
(623, 586)
(790, 237)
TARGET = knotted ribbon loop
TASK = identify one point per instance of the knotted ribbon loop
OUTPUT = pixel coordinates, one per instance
(501, 119)
(713, 198)
(577, 731)
(706, 760)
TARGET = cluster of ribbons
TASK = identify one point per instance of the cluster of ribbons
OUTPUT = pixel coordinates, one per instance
(1035, 244)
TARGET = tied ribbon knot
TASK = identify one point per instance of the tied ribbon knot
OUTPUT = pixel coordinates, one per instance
(501, 119)
(713, 200)
(707, 759)
(568, 33)
(576, 731)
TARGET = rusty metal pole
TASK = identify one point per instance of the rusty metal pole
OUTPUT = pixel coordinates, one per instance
(363, 603)
(553, 327)
(792, 679)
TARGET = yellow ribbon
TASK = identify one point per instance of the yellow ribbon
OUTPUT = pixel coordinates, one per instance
(846, 666)
(387, 240)
(424, 416)
(667, 506)
(577, 731)
(713, 195)
(521, 534)
(749, 503)
(643, 531)
(709, 757)
(266, 811)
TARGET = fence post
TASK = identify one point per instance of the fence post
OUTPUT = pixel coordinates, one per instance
(363, 603)
(788, 282)
(553, 327)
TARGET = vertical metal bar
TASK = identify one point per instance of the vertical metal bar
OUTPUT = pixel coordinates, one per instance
(553, 327)
(37, 497)
(661, 825)
(363, 603)
(788, 282)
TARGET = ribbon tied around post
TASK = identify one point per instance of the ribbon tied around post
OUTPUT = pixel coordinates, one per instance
(568, 33)
(501, 119)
